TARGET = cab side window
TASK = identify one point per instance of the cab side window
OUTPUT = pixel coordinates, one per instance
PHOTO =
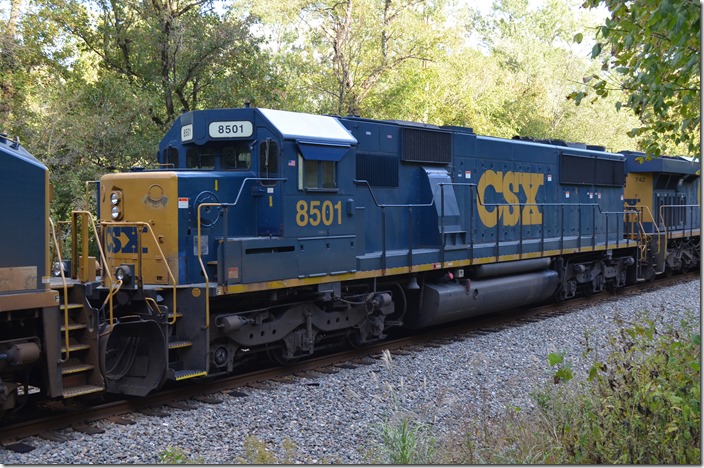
(316, 174)
(170, 157)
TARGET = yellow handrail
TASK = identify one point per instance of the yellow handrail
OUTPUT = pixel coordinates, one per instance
(84, 240)
(202, 266)
(65, 288)
(657, 230)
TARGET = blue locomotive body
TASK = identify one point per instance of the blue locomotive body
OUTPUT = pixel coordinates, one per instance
(24, 191)
(377, 196)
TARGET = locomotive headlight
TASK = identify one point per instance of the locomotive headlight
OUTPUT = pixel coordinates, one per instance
(57, 267)
(124, 274)
(115, 197)
(116, 213)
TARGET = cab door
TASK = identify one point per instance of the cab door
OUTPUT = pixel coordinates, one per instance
(268, 190)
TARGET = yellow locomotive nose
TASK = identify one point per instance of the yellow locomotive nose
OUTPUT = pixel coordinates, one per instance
(139, 213)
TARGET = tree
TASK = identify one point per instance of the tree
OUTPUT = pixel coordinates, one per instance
(172, 53)
(651, 50)
(532, 46)
(24, 64)
(510, 78)
(341, 51)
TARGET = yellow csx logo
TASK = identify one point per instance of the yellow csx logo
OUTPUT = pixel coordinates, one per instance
(510, 185)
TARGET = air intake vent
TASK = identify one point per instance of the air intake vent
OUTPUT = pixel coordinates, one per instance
(426, 146)
(380, 170)
(588, 170)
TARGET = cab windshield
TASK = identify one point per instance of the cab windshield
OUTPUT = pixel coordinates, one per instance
(232, 155)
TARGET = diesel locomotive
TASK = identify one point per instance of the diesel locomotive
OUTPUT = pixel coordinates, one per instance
(266, 232)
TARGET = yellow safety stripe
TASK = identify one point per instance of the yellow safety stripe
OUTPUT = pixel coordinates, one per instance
(368, 274)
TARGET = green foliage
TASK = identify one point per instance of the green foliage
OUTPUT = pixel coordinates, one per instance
(338, 54)
(564, 368)
(641, 405)
(89, 85)
(512, 438)
(173, 56)
(406, 441)
(92, 86)
(651, 50)
(177, 456)
(402, 437)
(505, 73)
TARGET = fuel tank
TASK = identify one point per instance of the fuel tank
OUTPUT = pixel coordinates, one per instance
(447, 302)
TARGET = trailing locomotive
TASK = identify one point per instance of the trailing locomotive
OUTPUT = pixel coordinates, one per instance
(280, 233)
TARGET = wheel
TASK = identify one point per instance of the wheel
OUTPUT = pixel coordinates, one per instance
(281, 357)
(599, 283)
(354, 339)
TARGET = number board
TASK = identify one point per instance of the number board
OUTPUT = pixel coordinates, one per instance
(230, 129)
(187, 132)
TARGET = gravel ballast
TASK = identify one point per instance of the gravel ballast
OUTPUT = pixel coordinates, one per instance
(334, 418)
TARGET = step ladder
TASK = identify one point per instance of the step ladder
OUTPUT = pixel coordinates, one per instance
(185, 362)
(80, 373)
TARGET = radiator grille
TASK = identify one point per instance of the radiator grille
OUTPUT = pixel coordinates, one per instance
(426, 146)
(380, 170)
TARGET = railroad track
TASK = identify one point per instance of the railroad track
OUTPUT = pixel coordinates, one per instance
(205, 392)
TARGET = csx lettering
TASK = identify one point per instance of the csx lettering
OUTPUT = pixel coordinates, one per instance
(121, 239)
(510, 185)
(318, 212)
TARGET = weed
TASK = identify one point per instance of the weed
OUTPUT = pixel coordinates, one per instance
(639, 405)
(257, 453)
(177, 456)
(401, 438)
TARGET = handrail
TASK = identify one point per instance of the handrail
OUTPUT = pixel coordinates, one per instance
(662, 216)
(222, 205)
(255, 179)
(156, 245)
(202, 266)
(481, 202)
(84, 240)
(646, 208)
(153, 306)
(57, 249)
(473, 186)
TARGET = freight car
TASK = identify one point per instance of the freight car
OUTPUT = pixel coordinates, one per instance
(266, 232)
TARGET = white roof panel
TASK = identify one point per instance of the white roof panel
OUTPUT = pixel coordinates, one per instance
(299, 125)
